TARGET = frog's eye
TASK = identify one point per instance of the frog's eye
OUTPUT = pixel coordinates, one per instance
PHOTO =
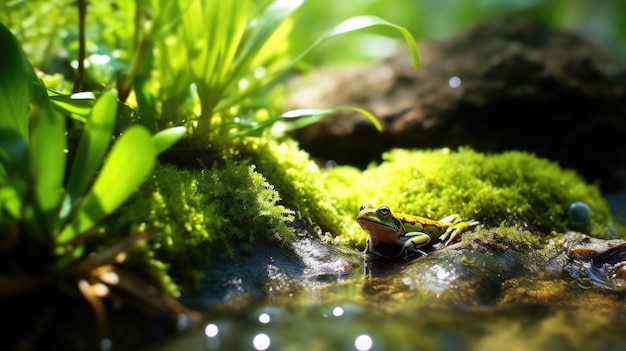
(383, 212)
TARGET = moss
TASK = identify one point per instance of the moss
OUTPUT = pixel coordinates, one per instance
(516, 238)
(196, 215)
(302, 186)
(514, 187)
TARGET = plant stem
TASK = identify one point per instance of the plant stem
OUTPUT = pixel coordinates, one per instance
(82, 14)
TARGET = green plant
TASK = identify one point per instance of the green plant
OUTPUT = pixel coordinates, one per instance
(207, 65)
(54, 194)
(241, 52)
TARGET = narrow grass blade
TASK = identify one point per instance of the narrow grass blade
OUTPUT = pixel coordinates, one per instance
(273, 16)
(350, 25)
(298, 119)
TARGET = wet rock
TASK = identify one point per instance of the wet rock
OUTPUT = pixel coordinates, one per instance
(600, 263)
(499, 268)
(273, 270)
(481, 270)
(469, 273)
(508, 83)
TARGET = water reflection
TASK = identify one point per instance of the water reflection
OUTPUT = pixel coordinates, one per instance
(261, 342)
(105, 344)
(211, 330)
(264, 318)
(213, 342)
(338, 311)
(363, 342)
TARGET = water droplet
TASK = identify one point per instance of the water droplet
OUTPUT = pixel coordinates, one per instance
(579, 214)
(363, 342)
(454, 82)
(261, 342)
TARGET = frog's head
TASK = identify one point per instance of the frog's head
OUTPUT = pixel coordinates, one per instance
(380, 223)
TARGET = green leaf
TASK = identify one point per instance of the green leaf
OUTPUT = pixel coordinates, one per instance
(47, 157)
(93, 145)
(129, 163)
(78, 105)
(13, 154)
(361, 22)
(19, 85)
(11, 199)
(25, 106)
(165, 139)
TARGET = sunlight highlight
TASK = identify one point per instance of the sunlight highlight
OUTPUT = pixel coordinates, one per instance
(363, 342)
(264, 318)
(211, 330)
(261, 342)
(338, 311)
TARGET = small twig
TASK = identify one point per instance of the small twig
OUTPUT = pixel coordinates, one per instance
(82, 14)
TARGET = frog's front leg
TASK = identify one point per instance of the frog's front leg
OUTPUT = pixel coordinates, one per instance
(416, 241)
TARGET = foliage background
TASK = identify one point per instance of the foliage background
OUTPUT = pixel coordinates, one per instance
(46, 26)
(601, 21)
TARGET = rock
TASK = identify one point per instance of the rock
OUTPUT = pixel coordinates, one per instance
(508, 83)
(272, 270)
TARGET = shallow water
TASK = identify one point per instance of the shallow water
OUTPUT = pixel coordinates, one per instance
(361, 312)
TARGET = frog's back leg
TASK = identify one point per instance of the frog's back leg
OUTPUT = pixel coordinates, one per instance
(454, 218)
(452, 233)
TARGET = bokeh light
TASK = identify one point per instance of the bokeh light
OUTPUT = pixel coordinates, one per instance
(363, 342)
(264, 318)
(338, 311)
(454, 82)
(211, 330)
(261, 342)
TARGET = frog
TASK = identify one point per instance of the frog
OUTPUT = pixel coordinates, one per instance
(413, 234)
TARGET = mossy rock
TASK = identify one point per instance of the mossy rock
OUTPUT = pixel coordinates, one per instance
(511, 188)
(198, 215)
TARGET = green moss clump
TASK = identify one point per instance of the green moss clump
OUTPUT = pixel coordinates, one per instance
(514, 187)
(197, 215)
(302, 186)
